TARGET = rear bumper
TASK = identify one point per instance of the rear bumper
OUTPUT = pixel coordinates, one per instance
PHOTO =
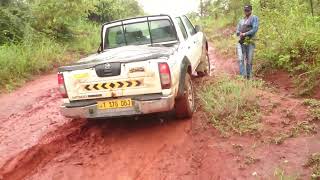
(162, 104)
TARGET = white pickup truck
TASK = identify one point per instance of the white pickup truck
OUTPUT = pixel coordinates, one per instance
(144, 65)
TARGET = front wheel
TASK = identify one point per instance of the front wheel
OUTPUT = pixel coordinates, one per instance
(185, 105)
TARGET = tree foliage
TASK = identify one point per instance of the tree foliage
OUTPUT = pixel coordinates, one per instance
(57, 19)
(36, 34)
(108, 10)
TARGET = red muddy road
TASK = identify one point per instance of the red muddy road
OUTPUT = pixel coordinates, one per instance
(36, 142)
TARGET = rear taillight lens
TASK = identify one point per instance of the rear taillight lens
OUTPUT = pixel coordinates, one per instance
(62, 87)
(165, 75)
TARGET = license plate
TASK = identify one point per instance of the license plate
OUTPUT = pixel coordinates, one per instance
(121, 103)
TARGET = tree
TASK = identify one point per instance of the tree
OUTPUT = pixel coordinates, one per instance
(55, 18)
(108, 10)
(14, 17)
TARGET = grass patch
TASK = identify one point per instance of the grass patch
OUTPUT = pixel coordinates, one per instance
(314, 108)
(314, 163)
(249, 160)
(300, 128)
(37, 54)
(19, 62)
(280, 174)
(232, 104)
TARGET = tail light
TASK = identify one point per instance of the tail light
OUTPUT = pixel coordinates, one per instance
(62, 87)
(165, 75)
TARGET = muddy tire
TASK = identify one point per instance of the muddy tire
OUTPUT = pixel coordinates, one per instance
(184, 106)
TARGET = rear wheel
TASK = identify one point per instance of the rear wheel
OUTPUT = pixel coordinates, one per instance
(184, 105)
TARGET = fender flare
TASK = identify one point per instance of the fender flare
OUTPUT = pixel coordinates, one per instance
(184, 69)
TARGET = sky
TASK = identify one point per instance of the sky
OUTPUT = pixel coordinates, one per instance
(169, 6)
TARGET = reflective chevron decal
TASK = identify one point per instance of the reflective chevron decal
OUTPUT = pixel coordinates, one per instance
(113, 85)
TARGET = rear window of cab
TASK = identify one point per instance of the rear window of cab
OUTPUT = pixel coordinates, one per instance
(148, 32)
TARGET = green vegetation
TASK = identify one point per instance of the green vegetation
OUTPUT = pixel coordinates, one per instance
(232, 104)
(301, 128)
(314, 108)
(314, 163)
(288, 38)
(39, 35)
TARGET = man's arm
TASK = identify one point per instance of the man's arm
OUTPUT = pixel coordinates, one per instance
(255, 26)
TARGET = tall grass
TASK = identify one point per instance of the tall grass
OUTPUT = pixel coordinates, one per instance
(37, 54)
(232, 104)
(19, 62)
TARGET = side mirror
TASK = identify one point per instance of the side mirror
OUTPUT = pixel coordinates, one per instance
(99, 49)
(198, 28)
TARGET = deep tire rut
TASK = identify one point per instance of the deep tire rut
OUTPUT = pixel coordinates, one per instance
(54, 143)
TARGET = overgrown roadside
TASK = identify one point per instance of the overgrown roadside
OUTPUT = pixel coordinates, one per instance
(262, 114)
(39, 36)
(272, 132)
(287, 43)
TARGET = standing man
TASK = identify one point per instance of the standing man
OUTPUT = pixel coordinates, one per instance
(246, 31)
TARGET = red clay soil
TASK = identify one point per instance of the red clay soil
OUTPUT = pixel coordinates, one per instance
(38, 143)
(281, 80)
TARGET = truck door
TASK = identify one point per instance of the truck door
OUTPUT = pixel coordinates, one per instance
(194, 42)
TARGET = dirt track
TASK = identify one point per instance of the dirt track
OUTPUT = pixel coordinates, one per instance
(36, 142)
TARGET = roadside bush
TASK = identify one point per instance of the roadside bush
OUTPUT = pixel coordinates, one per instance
(58, 18)
(19, 62)
(108, 10)
(87, 38)
(12, 27)
(39, 35)
(232, 104)
(288, 38)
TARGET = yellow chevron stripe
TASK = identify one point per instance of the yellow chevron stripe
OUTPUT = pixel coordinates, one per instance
(116, 85)
(125, 84)
(108, 86)
(134, 83)
(100, 86)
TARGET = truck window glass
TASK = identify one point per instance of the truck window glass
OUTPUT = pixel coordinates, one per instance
(114, 37)
(182, 28)
(162, 31)
(190, 27)
(139, 33)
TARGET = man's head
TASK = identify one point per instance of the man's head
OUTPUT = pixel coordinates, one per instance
(247, 10)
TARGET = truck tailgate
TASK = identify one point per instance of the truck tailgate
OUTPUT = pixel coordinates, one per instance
(113, 80)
